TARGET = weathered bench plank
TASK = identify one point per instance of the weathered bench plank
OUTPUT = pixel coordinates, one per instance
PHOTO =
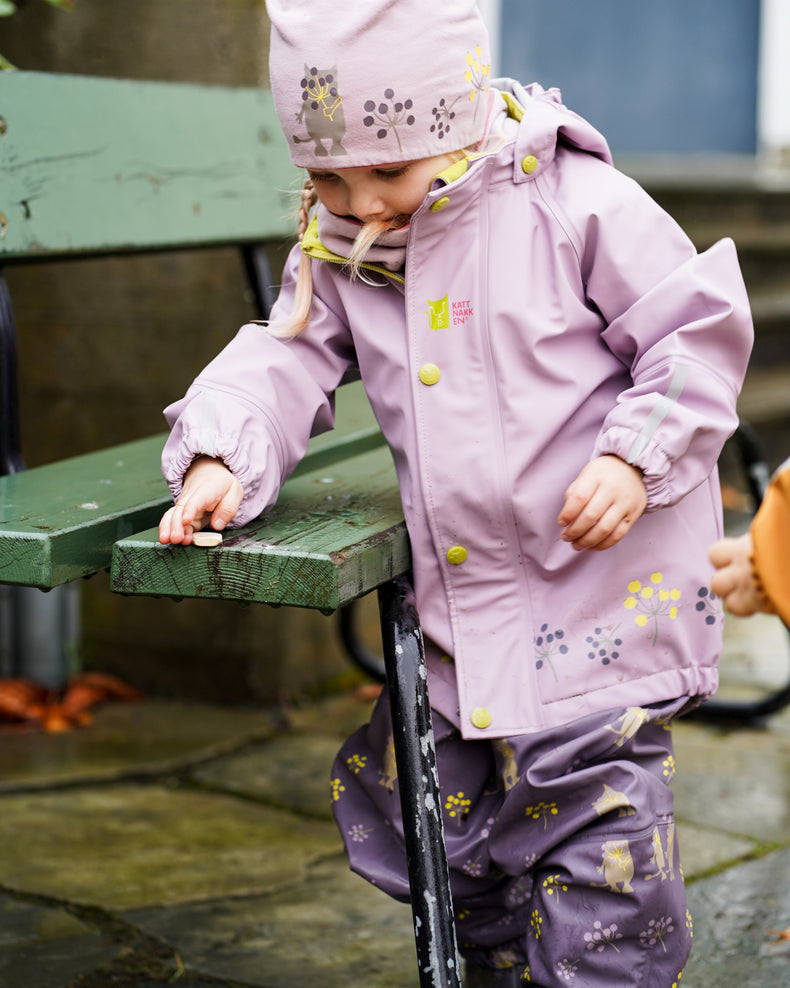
(336, 533)
(92, 164)
(58, 522)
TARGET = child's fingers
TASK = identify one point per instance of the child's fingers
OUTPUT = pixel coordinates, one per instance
(589, 508)
(187, 516)
(721, 552)
(591, 532)
(180, 532)
(210, 492)
(734, 584)
(724, 581)
(193, 506)
(165, 527)
(733, 580)
(608, 535)
(228, 506)
(580, 529)
(742, 601)
(577, 498)
(172, 529)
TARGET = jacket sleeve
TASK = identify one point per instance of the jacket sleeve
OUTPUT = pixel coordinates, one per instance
(771, 536)
(678, 320)
(257, 403)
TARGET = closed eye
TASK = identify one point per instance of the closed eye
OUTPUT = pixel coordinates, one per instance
(390, 173)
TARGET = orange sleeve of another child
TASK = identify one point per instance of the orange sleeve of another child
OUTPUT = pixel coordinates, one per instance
(771, 535)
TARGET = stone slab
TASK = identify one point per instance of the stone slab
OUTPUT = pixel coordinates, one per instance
(44, 946)
(128, 846)
(291, 771)
(703, 851)
(756, 653)
(332, 930)
(149, 736)
(734, 914)
(735, 782)
(336, 716)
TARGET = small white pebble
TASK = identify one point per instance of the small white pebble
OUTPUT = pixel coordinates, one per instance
(207, 538)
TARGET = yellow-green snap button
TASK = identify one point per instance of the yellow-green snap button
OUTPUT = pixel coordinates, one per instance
(439, 205)
(456, 555)
(481, 718)
(429, 374)
(529, 164)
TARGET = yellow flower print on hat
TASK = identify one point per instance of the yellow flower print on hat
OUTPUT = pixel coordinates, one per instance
(477, 74)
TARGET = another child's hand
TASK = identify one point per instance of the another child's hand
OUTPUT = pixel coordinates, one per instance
(733, 580)
(602, 503)
(210, 495)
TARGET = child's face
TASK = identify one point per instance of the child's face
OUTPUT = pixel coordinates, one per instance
(387, 192)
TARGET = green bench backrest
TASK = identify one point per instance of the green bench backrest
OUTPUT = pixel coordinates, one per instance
(91, 165)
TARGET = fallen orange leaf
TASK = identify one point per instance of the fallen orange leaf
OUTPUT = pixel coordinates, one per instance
(57, 711)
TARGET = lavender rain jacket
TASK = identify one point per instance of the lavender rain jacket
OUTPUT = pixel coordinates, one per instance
(551, 312)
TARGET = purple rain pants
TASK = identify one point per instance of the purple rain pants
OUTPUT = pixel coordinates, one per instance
(561, 845)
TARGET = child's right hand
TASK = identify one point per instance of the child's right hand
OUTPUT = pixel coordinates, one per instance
(210, 495)
(602, 503)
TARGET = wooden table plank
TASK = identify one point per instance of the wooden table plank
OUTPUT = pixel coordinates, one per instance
(58, 522)
(336, 533)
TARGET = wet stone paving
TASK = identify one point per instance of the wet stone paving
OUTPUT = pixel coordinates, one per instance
(189, 844)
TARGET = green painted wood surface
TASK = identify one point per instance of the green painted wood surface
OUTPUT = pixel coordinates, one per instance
(91, 164)
(59, 522)
(335, 534)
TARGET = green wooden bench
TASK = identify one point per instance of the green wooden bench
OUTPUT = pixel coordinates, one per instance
(61, 521)
(92, 167)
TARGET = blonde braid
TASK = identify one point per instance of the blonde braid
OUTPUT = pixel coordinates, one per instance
(308, 199)
(303, 293)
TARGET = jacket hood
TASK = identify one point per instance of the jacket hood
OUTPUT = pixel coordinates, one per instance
(544, 121)
(532, 118)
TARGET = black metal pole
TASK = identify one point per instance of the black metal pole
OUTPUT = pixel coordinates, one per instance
(421, 804)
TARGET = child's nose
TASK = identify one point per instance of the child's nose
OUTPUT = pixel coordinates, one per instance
(366, 204)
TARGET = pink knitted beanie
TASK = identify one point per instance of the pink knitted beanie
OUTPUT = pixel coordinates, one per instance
(370, 82)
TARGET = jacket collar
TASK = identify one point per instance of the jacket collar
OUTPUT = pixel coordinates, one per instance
(329, 237)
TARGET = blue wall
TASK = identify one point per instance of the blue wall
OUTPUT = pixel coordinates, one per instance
(653, 75)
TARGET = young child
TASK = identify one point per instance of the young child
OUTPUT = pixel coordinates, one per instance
(753, 570)
(555, 370)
